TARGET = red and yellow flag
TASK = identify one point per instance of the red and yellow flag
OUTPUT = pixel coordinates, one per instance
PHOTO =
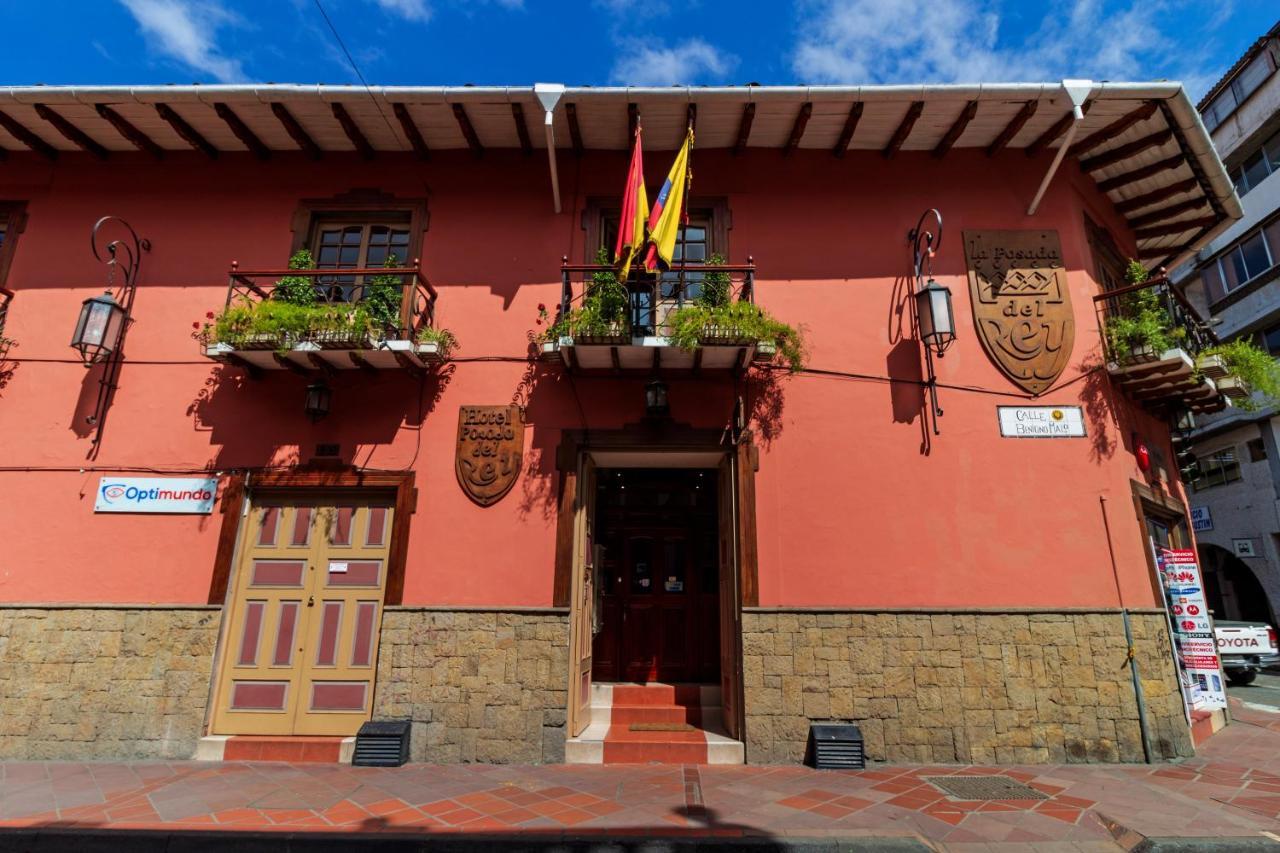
(635, 210)
(668, 209)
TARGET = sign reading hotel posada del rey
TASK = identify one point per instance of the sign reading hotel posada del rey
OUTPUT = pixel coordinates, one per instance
(1021, 304)
(490, 449)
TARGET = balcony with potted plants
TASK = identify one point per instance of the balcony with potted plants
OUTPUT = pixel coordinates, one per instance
(694, 317)
(305, 318)
(1159, 350)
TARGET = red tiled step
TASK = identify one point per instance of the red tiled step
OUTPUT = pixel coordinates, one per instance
(626, 714)
(282, 748)
(623, 746)
(658, 694)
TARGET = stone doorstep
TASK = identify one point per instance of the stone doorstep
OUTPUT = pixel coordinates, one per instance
(589, 747)
(295, 749)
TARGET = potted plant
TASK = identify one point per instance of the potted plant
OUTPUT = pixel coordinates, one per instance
(735, 323)
(600, 319)
(1142, 329)
(436, 344)
(1249, 370)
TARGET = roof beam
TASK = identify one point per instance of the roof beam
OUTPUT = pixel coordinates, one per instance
(246, 136)
(1115, 155)
(962, 121)
(411, 130)
(188, 133)
(1174, 251)
(71, 132)
(1112, 130)
(904, 129)
(1167, 212)
(296, 131)
(1174, 228)
(289, 364)
(1145, 172)
(19, 130)
(575, 132)
(1140, 201)
(1011, 129)
(352, 130)
(464, 124)
(1058, 128)
(850, 125)
(744, 128)
(522, 128)
(797, 128)
(136, 137)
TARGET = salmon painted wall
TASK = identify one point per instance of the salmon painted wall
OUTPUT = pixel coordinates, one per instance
(851, 509)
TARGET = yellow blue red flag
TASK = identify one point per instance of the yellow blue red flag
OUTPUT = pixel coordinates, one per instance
(668, 209)
(635, 210)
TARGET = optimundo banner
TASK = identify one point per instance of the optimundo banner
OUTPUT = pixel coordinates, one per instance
(174, 495)
(1200, 668)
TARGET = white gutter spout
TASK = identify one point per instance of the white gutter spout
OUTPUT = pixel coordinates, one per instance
(1077, 91)
(549, 95)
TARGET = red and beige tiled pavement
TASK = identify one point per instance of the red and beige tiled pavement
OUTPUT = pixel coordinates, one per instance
(1231, 789)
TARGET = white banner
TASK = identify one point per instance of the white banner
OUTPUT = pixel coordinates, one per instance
(173, 495)
(1201, 670)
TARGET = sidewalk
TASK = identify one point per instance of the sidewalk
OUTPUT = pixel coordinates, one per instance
(1232, 789)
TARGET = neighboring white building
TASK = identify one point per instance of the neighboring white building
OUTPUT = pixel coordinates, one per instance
(1236, 281)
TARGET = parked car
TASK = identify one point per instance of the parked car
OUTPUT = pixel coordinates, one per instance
(1245, 648)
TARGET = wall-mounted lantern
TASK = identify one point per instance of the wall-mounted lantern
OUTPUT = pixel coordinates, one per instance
(104, 320)
(935, 321)
(99, 329)
(318, 399)
(655, 398)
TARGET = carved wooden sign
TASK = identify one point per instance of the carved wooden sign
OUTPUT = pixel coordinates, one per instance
(490, 448)
(1021, 305)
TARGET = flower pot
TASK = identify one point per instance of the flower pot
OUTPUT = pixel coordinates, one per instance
(765, 351)
(339, 339)
(723, 336)
(549, 351)
(1138, 353)
(1211, 366)
(430, 351)
(1233, 387)
(616, 333)
(258, 341)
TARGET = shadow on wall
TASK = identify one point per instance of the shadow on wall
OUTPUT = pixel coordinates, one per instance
(261, 422)
(904, 363)
(1096, 396)
(538, 482)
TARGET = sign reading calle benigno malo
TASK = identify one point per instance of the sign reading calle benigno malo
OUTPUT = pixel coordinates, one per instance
(490, 450)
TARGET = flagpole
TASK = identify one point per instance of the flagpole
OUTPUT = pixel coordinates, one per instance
(684, 215)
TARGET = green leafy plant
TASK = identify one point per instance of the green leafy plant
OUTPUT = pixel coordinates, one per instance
(441, 337)
(603, 312)
(694, 325)
(297, 289)
(1253, 366)
(1141, 323)
(716, 286)
(382, 298)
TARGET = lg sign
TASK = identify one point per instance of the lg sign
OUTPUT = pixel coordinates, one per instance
(157, 495)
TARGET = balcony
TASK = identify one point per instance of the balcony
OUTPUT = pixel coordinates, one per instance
(643, 325)
(1156, 349)
(321, 319)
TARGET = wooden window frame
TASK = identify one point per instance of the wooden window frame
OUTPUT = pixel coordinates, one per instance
(717, 207)
(399, 484)
(360, 207)
(1106, 254)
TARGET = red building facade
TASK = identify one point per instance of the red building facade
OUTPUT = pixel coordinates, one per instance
(786, 548)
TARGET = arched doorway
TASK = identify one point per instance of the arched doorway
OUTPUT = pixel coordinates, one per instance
(1231, 588)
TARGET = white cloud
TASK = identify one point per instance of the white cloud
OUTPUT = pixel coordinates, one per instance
(186, 30)
(691, 61)
(961, 41)
(410, 10)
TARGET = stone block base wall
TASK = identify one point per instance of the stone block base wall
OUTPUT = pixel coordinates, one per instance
(980, 688)
(480, 686)
(87, 683)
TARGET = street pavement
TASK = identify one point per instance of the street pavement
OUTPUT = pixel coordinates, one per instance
(1226, 798)
(1262, 695)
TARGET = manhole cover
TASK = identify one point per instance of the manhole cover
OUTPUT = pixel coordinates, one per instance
(984, 788)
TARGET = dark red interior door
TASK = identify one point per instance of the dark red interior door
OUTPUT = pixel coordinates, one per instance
(660, 578)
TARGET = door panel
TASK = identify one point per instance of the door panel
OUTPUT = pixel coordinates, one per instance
(582, 627)
(303, 619)
(729, 611)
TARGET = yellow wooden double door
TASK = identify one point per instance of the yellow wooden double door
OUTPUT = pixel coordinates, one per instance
(301, 645)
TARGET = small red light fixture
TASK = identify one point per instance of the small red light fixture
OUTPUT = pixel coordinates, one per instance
(1143, 454)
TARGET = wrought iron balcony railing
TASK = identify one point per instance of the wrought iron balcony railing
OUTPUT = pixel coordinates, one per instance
(1189, 332)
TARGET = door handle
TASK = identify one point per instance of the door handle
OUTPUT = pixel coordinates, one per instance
(311, 601)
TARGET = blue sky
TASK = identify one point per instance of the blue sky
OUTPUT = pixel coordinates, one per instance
(598, 42)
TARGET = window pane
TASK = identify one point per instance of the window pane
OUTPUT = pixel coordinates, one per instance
(1212, 282)
(1271, 337)
(1272, 230)
(1233, 272)
(1272, 151)
(1254, 251)
(1238, 181)
(1255, 170)
(1252, 76)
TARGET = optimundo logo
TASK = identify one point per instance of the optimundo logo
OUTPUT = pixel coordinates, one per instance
(157, 494)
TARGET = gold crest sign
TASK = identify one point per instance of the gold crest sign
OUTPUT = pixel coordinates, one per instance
(490, 448)
(1021, 304)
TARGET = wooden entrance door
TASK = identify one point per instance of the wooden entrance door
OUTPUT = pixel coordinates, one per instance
(659, 575)
(583, 623)
(301, 646)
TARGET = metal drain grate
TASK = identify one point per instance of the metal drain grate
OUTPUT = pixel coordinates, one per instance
(984, 788)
